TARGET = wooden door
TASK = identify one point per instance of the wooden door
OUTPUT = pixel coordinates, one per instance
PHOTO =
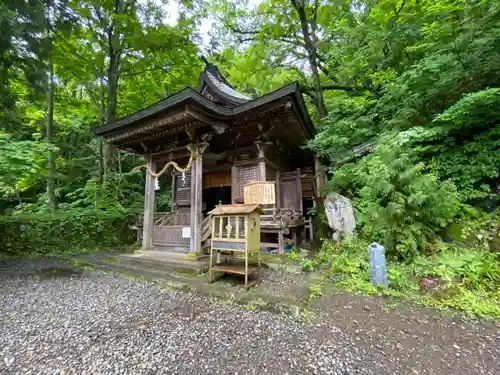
(290, 191)
(181, 191)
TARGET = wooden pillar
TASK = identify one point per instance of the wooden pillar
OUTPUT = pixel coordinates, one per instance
(281, 242)
(174, 191)
(235, 188)
(192, 218)
(149, 207)
(278, 189)
(196, 199)
(298, 182)
(261, 158)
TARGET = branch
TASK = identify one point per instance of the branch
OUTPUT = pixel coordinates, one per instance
(310, 94)
(295, 42)
(306, 89)
(327, 72)
(237, 30)
(251, 35)
(392, 21)
(131, 74)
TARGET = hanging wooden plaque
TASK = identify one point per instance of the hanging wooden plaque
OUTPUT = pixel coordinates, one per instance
(262, 192)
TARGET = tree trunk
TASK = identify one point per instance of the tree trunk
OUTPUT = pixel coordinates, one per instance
(52, 200)
(109, 151)
(312, 56)
(102, 120)
(113, 75)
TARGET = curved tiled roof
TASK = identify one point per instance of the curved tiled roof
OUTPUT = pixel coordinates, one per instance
(226, 89)
(214, 86)
(217, 98)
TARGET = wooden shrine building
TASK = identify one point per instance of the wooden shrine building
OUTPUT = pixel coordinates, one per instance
(235, 140)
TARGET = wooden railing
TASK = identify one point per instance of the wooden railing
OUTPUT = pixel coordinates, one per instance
(167, 218)
(206, 234)
(206, 228)
(170, 235)
(280, 216)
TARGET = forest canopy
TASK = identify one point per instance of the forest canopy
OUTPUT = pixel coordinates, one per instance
(416, 82)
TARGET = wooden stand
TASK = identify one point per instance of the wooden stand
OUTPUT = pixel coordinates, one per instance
(235, 265)
(235, 231)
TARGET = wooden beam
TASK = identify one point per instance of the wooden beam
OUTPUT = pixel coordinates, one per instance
(174, 189)
(218, 125)
(149, 204)
(148, 126)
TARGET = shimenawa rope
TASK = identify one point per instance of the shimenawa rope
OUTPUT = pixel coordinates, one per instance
(172, 163)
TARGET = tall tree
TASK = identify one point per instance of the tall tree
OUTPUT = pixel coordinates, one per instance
(120, 39)
(51, 195)
(299, 34)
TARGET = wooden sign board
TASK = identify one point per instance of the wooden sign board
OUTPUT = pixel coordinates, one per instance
(186, 232)
(262, 192)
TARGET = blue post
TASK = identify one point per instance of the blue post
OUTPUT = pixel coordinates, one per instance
(378, 265)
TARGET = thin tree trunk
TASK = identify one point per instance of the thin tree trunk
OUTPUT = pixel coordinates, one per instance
(102, 121)
(119, 184)
(101, 161)
(52, 200)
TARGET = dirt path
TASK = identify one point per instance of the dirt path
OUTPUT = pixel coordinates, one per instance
(55, 318)
(408, 340)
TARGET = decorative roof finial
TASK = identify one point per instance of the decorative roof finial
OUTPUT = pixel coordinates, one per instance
(205, 60)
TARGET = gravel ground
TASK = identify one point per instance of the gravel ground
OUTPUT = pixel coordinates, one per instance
(56, 320)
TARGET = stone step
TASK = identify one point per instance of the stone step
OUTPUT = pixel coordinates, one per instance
(170, 276)
(161, 261)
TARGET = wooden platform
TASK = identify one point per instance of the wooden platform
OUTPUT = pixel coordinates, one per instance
(235, 268)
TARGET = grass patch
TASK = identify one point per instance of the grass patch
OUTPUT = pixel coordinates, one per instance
(463, 279)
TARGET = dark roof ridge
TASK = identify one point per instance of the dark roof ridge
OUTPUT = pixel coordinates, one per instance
(190, 93)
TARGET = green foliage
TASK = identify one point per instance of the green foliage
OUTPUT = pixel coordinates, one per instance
(316, 289)
(418, 79)
(431, 107)
(467, 136)
(307, 265)
(469, 278)
(293, 255)
(476, 228)
(397, 201)
(110, 59)
(422, 90)
(20, 163)
(42, 233)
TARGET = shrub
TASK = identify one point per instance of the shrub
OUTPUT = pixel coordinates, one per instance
(307, 265)
(397, 201)
(66, 231)
(468, 278)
